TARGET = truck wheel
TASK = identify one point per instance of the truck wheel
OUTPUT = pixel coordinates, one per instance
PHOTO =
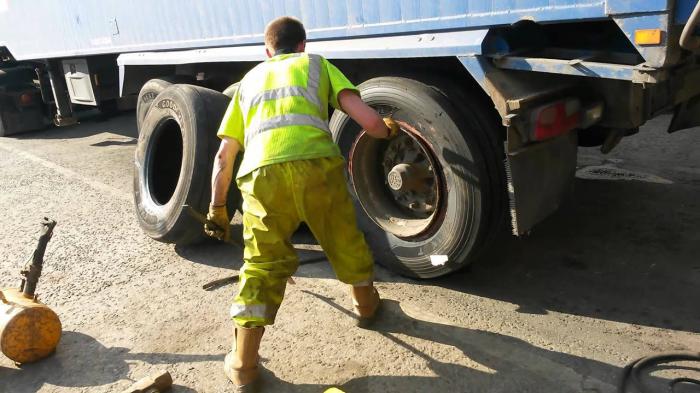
(173, 162)
(424, 198)
(151, 89)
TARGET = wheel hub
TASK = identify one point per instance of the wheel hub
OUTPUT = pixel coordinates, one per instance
(401, 194)
(410, 175)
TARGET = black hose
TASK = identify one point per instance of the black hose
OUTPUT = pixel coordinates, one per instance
(632, 372)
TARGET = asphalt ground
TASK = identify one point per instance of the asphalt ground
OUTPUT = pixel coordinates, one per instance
(611, 277)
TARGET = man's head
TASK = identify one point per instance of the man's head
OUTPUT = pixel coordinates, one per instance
(284, 34)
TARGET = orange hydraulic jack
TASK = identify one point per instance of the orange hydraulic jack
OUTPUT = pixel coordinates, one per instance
(29, 330)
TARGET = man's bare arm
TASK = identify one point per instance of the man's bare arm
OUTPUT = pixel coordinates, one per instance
(222, 173)
(363, 114)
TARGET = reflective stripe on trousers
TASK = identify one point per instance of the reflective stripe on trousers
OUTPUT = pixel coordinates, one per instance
(253, 311)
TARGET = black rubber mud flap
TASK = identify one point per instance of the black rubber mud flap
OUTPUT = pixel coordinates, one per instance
(540, 175)
(173, 162)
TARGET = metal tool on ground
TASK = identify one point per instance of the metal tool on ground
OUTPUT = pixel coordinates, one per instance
(159, 382)
(212, 285)
(29, 330)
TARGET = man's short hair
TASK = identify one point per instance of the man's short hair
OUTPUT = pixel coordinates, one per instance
(284, 32)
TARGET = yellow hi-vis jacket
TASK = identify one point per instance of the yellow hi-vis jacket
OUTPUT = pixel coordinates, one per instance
(280, 111)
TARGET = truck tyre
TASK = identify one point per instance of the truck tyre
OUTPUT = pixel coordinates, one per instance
(231, 90)
(428, 199)
(173, 162)
(150, 90)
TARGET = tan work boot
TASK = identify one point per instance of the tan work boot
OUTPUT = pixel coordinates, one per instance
(241, 364)
(365, 303)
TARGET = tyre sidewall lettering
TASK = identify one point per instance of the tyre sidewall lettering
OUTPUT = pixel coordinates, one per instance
(172, 107)
(148, 97)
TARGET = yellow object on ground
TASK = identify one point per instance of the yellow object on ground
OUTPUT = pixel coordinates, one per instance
(333, 390)
(276, 199)
(29, 330)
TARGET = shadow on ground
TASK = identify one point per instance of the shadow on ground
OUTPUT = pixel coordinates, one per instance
(499, 362)
(621, 251)
(218, 254)
(81, 361)
(123, 124)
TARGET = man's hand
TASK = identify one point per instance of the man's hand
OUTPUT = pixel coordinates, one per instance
(392, 126)
(363, 114)
(219, 227)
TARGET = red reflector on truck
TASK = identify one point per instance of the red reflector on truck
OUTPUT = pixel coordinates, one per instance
(26, 99)
(556, 119)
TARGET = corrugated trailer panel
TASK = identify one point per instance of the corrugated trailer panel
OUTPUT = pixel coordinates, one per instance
(34, 29)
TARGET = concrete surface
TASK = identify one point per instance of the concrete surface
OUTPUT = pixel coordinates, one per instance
(611, 277)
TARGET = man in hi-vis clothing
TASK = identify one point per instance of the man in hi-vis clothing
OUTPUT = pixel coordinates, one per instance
(291, 172)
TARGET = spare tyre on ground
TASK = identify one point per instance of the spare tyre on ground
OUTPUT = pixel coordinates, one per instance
(150, 90)
(432, 198)
(173, 162)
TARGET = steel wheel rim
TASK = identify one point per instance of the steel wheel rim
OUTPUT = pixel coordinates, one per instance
(399, 182)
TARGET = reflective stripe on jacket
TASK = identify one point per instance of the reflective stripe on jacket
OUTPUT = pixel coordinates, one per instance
(280, 112)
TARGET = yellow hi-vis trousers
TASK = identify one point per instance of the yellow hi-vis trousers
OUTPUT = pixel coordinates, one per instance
(276, 199)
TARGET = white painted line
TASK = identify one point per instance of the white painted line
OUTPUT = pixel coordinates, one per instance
(69, 173)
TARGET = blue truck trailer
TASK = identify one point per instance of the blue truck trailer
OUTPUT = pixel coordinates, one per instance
(493, 99)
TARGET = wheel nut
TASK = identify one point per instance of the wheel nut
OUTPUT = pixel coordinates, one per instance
(406, 178)
(395, 181)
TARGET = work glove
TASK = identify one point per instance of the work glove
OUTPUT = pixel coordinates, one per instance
(217, 225)
(392, 126)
